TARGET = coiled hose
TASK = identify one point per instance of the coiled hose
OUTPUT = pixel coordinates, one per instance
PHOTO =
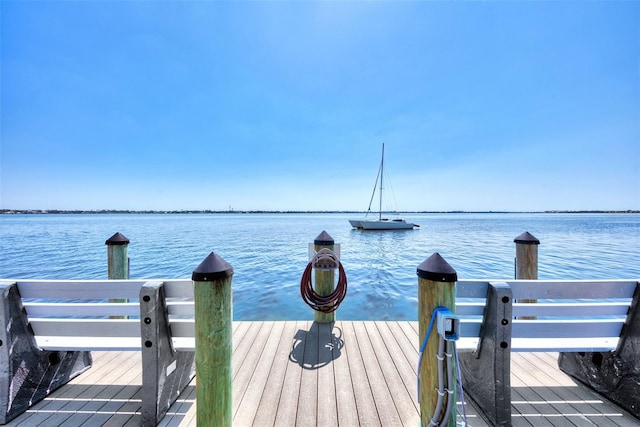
(328, 303)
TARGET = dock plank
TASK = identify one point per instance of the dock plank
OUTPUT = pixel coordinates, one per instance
(102, 385)
(250, 364)
(347, 411)
(560, 392)
(268, 406)
(352, 373)
(288, 403)
(327, 412)
(403, 397)
(182, 412)
(308, 361)
(405, 369)
(253, 391)
(407, 342)
(245, 346)
(385, 405)
(596, 404)
(365, 403)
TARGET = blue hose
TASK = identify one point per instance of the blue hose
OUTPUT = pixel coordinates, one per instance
(426, 339)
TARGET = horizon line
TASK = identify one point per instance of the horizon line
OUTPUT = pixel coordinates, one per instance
(288, 211)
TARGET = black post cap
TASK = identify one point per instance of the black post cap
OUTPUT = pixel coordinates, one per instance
(212, 268)
(323, 239)
(437, 269)
(117, 239)
(527, 239)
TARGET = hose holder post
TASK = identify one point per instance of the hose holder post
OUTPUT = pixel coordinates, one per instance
(325, 259)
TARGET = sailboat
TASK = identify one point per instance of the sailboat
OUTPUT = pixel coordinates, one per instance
(381, 223)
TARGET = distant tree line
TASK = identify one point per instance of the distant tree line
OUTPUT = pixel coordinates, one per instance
(209, 211)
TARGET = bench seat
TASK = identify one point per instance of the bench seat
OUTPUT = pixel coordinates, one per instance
(50, 327)
(58, 343)
(594, 325)
(543, 345)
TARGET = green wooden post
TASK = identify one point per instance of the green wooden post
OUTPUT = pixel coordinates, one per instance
(526, 262)
(436, 288)
(213, 316)
(117, 263)
(324, 279)
(117, 257)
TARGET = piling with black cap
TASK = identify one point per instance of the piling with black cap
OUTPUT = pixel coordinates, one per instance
(526, 256)
(526, 263)
(117, 263)
(436, 288)
(214, 326)
(324, 279)
(117, 257)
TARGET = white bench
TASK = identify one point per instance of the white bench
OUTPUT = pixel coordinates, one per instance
(48, 329)
(595, 325)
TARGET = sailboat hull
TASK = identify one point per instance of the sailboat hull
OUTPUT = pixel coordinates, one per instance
(383, 224)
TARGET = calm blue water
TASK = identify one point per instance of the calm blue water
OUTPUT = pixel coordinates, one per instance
(269, 252)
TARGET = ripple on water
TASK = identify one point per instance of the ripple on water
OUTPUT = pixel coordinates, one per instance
(269, 252)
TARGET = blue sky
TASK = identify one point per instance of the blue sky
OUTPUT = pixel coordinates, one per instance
(284, 105)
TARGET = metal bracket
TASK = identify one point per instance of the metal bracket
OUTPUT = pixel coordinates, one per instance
(312, 251)
(325, 259)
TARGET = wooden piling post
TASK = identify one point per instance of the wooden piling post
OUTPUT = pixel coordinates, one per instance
(436, 288)
(117, 257)
(526, 262)
(213, 317)
(324, 279)
(526, 256)
(117, 263)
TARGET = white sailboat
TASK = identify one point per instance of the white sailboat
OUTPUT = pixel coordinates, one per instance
(381, 223)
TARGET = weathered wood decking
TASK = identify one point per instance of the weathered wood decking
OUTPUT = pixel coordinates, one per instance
(305, 374)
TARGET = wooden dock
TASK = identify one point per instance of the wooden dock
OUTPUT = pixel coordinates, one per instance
(305, 374)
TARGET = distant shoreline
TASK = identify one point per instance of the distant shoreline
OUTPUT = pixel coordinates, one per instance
(118, 211)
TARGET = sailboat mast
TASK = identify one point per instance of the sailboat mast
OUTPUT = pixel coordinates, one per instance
(381, 175)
